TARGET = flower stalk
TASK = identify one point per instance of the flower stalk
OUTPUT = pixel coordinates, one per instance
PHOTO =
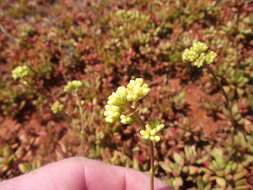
(228, 105)
(198, 56)
(151, 150)
(152, 164)
(119, 108)
(81, 115)
(227, 101)
(73, 88)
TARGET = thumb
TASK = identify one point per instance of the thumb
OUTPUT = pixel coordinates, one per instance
(81, 174)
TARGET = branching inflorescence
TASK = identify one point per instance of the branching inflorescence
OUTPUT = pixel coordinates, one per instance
(73, 89)
(119, 101)
(198, 57)
(120, 108)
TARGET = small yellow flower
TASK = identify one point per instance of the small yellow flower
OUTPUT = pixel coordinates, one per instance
(189, 56)
(119, 97)
(197, 55)
(112, 113)
(210, 57)
(57, 107)
(126, 119)
(200, 61)
(199, 47)
(118, 100)
(151, 131)
(21, 72)
(137, 89)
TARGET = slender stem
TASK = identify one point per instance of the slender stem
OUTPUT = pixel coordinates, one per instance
(227, 104)
(152, 165)
(82, 120)
(137, 116)
(139, 120)
(152, 176)
(210, 70)
(2, 29)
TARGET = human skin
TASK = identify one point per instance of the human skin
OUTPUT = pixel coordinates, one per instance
(81, 174)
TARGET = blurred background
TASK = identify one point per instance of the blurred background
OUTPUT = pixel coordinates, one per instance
(106, 43)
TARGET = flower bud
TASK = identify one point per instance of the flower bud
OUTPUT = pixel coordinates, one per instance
(126, 119)
(57, 107)
(189, 55)
(199, 47)
(210, 57)
(118, 98)
(151, 131)
(200, 61)
(112, 113)
(136, 90)
(197, 55)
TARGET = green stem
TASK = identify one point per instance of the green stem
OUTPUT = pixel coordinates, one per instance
(35, 91)
(79, 104)
(152, 165)
(227, 104)
(3, 30)
(136, 116)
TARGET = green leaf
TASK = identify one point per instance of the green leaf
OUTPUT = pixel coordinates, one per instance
(178, 159)
(178, 182)
(234, 108)
(165, 166)
(221, 181)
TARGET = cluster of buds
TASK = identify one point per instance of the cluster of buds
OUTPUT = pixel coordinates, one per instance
(57, 107)
(136, 90)
(198, 56)
(118, 101)
(20, 72)
(151, 131)
(112, 113)
(126, 119)
(73, 86)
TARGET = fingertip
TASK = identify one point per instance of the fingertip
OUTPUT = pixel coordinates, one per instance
(65, 174)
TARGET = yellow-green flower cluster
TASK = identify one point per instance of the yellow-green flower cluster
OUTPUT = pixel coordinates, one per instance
(135, 90)
(198, 56)
(118, 98)
(151, 131)
(112, 113)
(72, 86)
(57, 107)
(20, 72)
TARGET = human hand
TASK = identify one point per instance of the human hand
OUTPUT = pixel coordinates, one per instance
(81, 174)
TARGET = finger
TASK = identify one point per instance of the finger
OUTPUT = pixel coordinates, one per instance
(63, 175)
(81, 174)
